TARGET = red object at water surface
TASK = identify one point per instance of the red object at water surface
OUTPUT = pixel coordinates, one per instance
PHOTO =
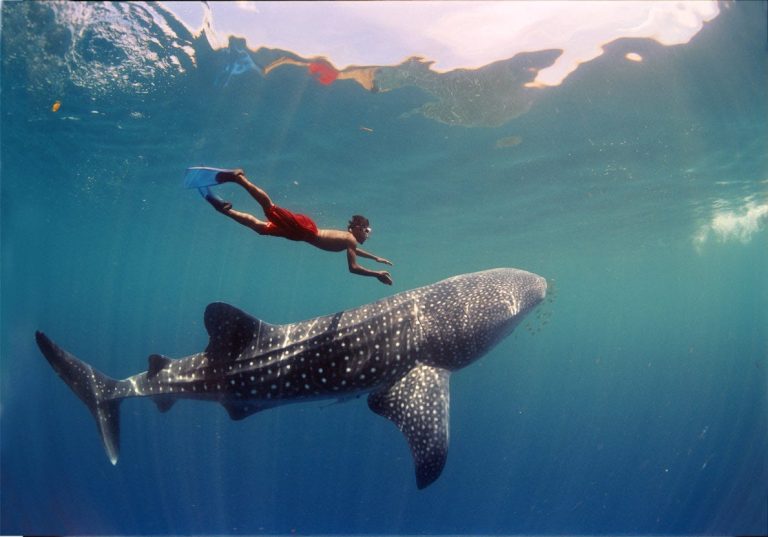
(323, 72)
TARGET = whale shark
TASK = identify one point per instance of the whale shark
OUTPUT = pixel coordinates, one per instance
(400, 351)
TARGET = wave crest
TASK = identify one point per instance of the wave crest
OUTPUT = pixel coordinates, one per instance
(739, 225)
(98, 46)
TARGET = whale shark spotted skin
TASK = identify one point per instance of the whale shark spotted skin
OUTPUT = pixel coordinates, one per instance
(399, 350)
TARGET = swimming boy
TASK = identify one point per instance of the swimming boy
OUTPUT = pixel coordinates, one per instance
(298, 227)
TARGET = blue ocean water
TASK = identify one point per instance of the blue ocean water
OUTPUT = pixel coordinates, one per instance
(635, 402)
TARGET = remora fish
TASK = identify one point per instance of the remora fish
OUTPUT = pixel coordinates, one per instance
(399, 350)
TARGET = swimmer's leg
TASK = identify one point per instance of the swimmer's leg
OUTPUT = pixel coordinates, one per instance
(245, 219)
(238, 176)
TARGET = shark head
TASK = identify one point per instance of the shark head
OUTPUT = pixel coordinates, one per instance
(471, 313)
(459, 320)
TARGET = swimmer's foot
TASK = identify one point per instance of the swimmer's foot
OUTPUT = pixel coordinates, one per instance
(232, 176)
(218, 203)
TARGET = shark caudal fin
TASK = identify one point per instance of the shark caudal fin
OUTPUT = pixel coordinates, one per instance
(93, 388)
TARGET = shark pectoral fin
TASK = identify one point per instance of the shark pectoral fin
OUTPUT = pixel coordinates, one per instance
(230, 331)
(240, 411)
(157, 362)
(419, 405)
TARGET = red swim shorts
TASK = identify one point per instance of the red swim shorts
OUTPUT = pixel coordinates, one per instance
(284, 223)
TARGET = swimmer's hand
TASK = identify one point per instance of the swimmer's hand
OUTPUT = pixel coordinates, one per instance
(383, 261)
(384, 277)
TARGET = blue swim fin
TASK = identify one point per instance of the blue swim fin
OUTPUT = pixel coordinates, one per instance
(202, 176)
(206, 192)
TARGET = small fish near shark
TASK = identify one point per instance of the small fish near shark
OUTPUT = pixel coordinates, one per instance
(400, 351)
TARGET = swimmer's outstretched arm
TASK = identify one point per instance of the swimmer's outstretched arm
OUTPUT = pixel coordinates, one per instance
(381, 275)
(363, 253)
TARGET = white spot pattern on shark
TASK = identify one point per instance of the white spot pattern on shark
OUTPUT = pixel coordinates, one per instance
(400, 350)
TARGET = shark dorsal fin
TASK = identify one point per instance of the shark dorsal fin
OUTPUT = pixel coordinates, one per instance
(230, 331)
(157, 362)
(419, 405)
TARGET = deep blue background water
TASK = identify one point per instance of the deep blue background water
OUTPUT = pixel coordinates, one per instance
(639, 406)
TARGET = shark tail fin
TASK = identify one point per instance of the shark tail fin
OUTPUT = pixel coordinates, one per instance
(95, 389)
